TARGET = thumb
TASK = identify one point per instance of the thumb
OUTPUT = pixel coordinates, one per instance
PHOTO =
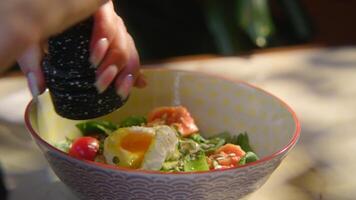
(30, 64)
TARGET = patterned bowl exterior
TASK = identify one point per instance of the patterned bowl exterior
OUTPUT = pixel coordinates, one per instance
(94, 181)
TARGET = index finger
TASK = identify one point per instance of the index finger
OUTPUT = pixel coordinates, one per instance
(61, 14)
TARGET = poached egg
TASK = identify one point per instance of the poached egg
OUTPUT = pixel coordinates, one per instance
(140, 147)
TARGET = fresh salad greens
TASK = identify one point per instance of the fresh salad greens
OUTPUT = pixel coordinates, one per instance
(133, 121)
(243, 141)
(167, 140)
(97, 127)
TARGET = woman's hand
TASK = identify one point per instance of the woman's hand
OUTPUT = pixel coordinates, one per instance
(25, 22)
(112, 51)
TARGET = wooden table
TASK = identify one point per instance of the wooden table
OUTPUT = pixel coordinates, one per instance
(319, 83)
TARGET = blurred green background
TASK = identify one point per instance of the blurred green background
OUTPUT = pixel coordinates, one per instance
(173, 28)
(170, 28)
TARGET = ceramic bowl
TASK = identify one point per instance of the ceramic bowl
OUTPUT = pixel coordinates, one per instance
(216, 103)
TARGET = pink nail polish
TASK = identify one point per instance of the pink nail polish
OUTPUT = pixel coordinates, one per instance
(99, 51)
(125, 86)
(33, 84)
(105, 78)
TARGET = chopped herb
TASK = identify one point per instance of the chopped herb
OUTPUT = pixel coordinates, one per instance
(116, 160)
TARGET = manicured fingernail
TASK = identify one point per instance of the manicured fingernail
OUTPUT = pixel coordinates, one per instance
(99, 51)
(105, 78)
(125, 86)
(141, 82)
(33, 84)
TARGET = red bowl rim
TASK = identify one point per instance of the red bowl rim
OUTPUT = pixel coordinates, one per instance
(292, 142)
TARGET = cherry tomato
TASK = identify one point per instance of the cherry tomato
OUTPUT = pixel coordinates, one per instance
(84, 148)
(177, 116)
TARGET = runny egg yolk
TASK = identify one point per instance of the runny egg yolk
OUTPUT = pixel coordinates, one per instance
(137, 143)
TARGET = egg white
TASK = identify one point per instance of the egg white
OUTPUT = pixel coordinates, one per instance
(164, 144)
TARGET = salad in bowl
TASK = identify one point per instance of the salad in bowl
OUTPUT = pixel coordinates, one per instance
(187, 135)
(167, 140)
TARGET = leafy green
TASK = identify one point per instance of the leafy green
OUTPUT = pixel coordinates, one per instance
(196, 162)
(96, 127)
(243, 141)
(133, 121)
(198, 138)
(209, 145)
(248, 157)
(213, 144)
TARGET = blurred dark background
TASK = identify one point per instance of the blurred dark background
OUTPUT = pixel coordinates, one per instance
(164, 29)
(174, 28)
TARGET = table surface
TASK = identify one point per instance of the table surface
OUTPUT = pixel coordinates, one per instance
(319, 83)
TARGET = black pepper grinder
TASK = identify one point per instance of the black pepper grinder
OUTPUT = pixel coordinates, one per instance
(70, 76)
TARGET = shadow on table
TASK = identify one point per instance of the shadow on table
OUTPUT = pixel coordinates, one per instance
(26, 173)
(341, 57)
(324, 73)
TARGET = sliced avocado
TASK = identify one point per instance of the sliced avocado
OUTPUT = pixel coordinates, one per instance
(196, 162)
